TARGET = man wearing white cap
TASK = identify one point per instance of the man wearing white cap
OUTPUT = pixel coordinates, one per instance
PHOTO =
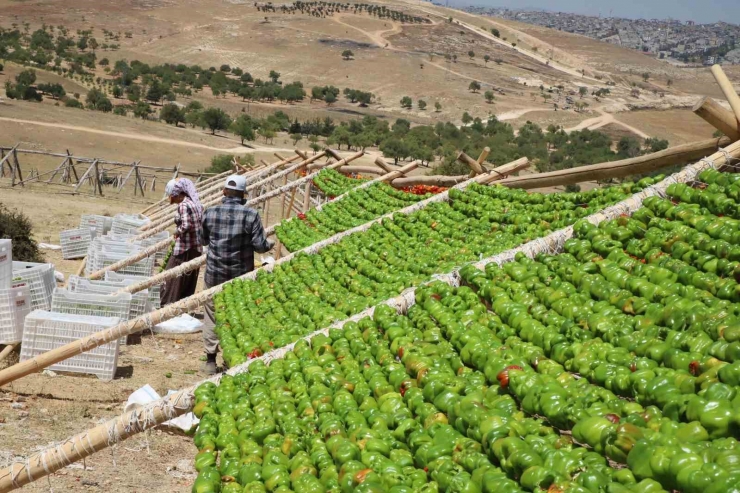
(232, 233)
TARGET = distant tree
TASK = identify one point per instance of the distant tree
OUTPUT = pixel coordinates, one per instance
(489, 96)
(72, 103)
(467, 119)
(669, 82)
(330, 98)
(216, 119)
(274, 76)
(172, 114)
(474, 86)
(142, 110)
(495, 32)
(97, 100)
(347, 54)
(422, 104)
(103, 62)
(155, 93)
(26, 77)
(582, 91)
(225, 68)
(486, 59)
(645, 76)
(628, 147)
(471, 54)
(243, 127)
(406, 102)
(117, 91)
(236, 71)
(120, 111)
(655, 144)
(1, 67)
(267, 132)
(437, 106)
(394, 148)
(296, 137)
(82, 43)
(194, 118)
(56, 91)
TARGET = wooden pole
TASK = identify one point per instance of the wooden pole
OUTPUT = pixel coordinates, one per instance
(380, 162)
(98, 180)
(138, 181)
(307, 197)
(7, 350)
(165, 222)
(618, 169)
(290, 204)
(71, 164)
(6, 158)
(85, 176)
(128, 175)
(718, 117)
(475, 167)
(727, 89)
(17, 170)
(58, 169)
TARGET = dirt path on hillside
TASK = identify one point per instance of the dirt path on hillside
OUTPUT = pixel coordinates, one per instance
(146, 138)
(603, 120)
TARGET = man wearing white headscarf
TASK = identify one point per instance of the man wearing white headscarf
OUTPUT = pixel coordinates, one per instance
(188, 219)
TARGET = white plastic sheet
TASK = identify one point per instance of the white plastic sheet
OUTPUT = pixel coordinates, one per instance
(147, 394)
(184, 324)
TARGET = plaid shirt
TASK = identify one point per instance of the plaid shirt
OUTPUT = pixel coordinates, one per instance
(188, 222)
(233, 233)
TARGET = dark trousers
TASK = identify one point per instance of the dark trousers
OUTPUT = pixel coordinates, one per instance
(184, 285)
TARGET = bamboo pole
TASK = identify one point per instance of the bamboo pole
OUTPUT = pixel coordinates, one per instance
(380, 162)
(475, 166)
(619, 169)
(215, 188)
(307, 197)
(718, 117)
(727, 89)
(199, 186)
(290, 204)
(165, 223)
(87, 173)
(7, 350)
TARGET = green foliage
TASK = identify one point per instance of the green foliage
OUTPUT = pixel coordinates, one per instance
(216, 119)
(73, 103)
(357, 96)
(347, 54)
(406, 102)
(172, 114)
(243, 127)
(224, 162)
(225, 68)
(495, 32)
(474, 86)
(16, 226)
(97, 100)
(54, 90)
(422, 104)
(142, 110)
(437, 106)
(489, 96)
(120, 111)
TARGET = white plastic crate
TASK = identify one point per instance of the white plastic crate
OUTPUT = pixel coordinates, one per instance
(75, 242)
(154, 291)
(144, 267)
(122, 223)
(92, 304)
(102, 224)
(44, 331)
(40, 280)
(139, 301)
(15, 305)
(6, 263)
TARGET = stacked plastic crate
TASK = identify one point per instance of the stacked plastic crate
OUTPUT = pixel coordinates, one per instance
(123, 223)
(107, 250)
(40, 280)
(45, 331)
(102, 224)
(126, 279)
(92, 304)
(15, 303)
(75, 242)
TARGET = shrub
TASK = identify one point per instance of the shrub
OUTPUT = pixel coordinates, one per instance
(16, 226)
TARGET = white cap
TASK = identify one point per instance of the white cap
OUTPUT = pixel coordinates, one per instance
(236, 182)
